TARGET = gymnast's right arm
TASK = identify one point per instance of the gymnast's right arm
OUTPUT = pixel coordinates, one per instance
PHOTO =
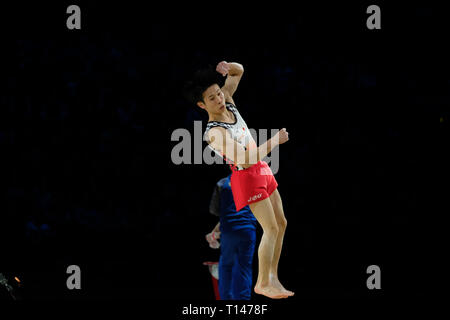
(221, 140)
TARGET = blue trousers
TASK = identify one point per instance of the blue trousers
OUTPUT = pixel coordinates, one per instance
(235, 264)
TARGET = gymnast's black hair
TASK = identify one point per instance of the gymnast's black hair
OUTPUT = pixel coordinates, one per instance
(201, 81)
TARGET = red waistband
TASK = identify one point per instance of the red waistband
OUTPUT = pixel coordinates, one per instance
(253, 166)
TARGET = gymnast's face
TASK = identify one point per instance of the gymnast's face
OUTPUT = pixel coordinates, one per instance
(213, 100)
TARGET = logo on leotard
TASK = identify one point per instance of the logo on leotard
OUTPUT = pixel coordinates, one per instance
(259, 195)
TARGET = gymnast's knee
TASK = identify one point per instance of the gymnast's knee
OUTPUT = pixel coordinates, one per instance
(271, 231)
(282, 224)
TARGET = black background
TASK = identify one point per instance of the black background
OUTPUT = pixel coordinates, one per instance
(86, 123)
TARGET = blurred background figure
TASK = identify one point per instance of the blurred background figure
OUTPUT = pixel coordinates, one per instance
(237, 233)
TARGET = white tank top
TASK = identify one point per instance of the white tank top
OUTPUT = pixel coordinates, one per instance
(238, 131)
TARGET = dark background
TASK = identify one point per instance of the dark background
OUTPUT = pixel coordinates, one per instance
(86, 123)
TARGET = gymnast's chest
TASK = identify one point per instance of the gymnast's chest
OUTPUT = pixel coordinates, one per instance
(241, 133)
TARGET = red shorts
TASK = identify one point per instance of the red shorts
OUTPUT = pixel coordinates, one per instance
(253, 184)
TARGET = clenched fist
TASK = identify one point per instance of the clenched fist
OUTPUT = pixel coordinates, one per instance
(282, 136)
(223, 68)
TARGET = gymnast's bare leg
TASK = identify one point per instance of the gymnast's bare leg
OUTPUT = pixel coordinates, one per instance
(273, 225)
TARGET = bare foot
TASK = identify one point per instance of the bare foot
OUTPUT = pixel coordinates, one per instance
(277, 284)
(270, 291)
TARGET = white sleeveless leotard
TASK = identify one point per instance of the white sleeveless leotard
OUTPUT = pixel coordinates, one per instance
(238, 131)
